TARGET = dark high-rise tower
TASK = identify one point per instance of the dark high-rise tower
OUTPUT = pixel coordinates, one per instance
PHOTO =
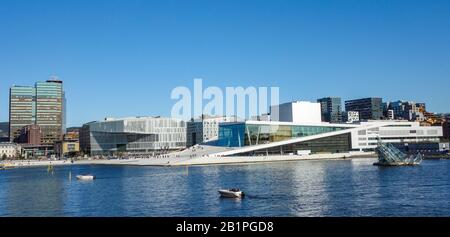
(331, 109)
(368, 108)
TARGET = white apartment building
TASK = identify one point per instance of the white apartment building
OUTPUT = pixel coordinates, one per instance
(9, 150)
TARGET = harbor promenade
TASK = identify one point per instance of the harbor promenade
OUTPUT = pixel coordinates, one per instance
(178, 160)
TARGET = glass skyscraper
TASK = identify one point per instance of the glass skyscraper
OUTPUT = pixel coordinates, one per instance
(22, 109)
(42, 105)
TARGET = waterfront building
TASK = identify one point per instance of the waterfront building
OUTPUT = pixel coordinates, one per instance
(407, 110)
(30, 134)
(41, 105)
(205, 128)
(22, 109)
(350, 116)
(37, 151)
(265, 138)
(136, 135)
(331, 109)
(296, 112)
(9, 150)
(49, 110)
(368, 108)
(85, 139)
(67, 148)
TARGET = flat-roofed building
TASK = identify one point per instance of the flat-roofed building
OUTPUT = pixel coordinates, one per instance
(331, 109)
(22, 109)
(49, 110)
(368, 108)
(41, 105)
(136, 135)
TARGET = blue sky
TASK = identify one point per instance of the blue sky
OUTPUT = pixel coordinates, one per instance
(123, 58)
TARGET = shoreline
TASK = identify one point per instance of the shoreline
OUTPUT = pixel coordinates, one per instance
(200, 161)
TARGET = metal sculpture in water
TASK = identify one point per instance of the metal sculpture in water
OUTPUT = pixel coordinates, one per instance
(389, 155)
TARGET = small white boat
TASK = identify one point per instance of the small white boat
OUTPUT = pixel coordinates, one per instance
(86, 177)
(231, 193)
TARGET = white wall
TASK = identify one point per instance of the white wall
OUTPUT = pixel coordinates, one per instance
(296, 112)
(408, 132)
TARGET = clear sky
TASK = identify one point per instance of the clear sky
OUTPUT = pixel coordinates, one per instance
(123, 58)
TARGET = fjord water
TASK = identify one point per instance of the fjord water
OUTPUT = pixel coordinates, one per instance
(305, 188)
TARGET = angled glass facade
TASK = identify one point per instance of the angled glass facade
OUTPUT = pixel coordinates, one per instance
(244, 134)
(135, 135)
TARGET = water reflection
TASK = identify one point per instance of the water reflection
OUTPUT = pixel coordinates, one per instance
(37, 194)
(307, 188)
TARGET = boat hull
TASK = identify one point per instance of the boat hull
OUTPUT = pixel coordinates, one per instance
(231, 194)
(85, 177)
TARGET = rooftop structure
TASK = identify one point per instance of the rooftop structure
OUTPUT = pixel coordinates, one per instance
(297, 112)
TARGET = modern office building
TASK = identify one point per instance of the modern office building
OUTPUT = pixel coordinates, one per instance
(30, 134)
(205, 128)
(350, 116)
(136, 135)
(368, 108)
(296, 112)
(85, 138)
(49, 110)
(42, 105)
(22, 109)
(265, 138)
(331, 109)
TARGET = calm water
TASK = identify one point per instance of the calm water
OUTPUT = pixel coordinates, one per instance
(307, 188)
